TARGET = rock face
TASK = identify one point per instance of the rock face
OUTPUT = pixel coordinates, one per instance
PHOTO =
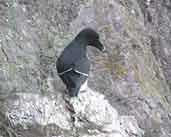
(134, 76)
(87, 115)
(158, 20)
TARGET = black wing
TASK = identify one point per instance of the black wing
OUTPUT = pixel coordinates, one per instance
(82, 66)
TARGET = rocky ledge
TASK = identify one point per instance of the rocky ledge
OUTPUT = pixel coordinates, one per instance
(88, 115)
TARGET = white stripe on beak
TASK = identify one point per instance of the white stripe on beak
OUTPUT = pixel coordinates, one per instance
(104, 50)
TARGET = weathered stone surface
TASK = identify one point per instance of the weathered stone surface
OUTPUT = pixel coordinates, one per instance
(26, 110)
(89, 114)
(93, 108)
(134, 76)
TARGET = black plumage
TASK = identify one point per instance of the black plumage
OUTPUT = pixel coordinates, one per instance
(73, 65)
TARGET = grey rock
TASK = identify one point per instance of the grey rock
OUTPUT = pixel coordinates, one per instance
(90, 114)
(26, 109)
(134, 76)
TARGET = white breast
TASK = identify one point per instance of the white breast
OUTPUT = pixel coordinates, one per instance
(83, 86)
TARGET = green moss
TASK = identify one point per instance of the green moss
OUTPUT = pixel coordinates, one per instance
(156, 86)
(130, 92)
(121, 70)
(12, 70)
(152, 86)
(165, 105)
(140, 80)
(108, 28)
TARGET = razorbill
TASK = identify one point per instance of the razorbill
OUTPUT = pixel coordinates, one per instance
(73, 65)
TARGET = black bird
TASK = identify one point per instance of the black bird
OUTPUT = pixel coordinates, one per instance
(73, 65)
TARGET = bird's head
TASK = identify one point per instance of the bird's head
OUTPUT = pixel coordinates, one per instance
(91, 37)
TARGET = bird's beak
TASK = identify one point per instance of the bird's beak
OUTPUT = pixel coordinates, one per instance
(100, 46)
(104, 50)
